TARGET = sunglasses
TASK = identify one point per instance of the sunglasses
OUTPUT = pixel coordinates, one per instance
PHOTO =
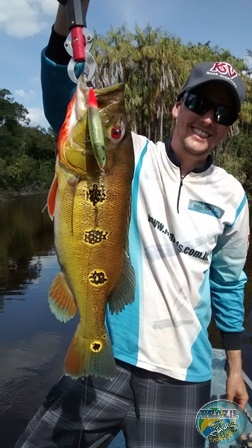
(199, 105)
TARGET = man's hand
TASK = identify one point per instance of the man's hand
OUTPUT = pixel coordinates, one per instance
(235, 386)
(61, 25)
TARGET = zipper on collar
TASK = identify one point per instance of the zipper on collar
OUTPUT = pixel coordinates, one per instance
(179, 191)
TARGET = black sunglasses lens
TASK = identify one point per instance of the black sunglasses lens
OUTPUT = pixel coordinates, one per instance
(196, 103)
(200, 105)
(225, 116)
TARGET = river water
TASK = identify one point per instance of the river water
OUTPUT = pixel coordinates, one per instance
(32, 342)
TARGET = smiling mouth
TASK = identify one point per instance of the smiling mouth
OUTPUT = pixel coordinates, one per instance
(200, 133)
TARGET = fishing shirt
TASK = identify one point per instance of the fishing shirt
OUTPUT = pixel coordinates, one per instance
(188, 240)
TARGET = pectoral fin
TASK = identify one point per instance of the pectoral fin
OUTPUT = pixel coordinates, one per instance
(125, 290)
(61, 301)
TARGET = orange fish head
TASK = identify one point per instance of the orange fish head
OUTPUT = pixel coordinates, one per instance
(74, 143)
(74, 146)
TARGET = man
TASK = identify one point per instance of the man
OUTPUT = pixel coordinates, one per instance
(188, 243)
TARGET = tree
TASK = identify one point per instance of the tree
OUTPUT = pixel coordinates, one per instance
(10, 110)
(27, 154)
(39, 143)
(153, 65)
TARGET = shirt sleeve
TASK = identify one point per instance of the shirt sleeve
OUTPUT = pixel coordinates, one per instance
(55, 49)
(57, 87)
(228, 279)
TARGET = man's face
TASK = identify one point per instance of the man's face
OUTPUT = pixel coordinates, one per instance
(197, 134)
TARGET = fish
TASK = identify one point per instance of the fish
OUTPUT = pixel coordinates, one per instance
(223, 431)
(90, 203)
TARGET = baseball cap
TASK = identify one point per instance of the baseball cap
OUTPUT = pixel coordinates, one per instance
(223, 72)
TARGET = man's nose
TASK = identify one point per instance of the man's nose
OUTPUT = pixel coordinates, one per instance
(208, 116)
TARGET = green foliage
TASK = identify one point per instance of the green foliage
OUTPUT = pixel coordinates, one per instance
(236, 158)
(3, 180)
(22, 173)
(234, 165)
(153, 65)
(27, 154)
(10, 111)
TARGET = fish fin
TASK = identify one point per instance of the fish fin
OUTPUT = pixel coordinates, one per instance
(125, 290)
(51, 199)
(90, 356)
(61, 301)
(64, 130)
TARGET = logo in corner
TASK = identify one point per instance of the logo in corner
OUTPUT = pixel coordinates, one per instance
(221, 421)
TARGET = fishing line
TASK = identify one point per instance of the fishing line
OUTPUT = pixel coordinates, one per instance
(85, 402)
(79, 443)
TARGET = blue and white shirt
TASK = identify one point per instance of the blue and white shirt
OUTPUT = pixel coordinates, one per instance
(188, 245)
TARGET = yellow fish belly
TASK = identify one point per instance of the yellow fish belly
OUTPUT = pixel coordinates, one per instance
(91, 226)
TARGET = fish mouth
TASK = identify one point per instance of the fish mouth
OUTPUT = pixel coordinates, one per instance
(81, 144)
(81, 160)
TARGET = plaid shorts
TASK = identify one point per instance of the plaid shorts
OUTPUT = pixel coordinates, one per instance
(153, 410)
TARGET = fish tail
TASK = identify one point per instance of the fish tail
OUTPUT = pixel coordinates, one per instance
(88, 356)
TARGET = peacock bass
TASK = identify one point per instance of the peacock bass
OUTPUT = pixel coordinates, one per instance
(89, 201)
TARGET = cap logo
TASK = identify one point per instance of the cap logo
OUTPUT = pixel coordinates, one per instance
(224, 68)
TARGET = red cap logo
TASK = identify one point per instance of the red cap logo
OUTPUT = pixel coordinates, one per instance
(224, 68)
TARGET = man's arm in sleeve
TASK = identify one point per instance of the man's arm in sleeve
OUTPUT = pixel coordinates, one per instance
(57, 87)
(227, 280)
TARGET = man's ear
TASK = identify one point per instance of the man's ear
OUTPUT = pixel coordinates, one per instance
(175, 109)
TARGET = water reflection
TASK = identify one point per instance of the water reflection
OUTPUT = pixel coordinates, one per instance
(26, 234)
(32, 342)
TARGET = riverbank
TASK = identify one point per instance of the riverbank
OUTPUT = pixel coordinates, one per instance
(9, 194)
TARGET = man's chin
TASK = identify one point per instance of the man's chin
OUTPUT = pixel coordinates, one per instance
(197, 148)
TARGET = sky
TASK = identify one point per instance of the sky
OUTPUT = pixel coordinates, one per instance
(25, 27)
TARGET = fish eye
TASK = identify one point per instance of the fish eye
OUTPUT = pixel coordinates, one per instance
(117, 133)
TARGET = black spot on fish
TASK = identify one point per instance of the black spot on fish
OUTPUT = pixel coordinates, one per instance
(95, 236)
(97, 278)
(96, 194)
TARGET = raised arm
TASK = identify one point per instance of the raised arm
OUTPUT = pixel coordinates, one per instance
(57, 88)
(61, 25)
